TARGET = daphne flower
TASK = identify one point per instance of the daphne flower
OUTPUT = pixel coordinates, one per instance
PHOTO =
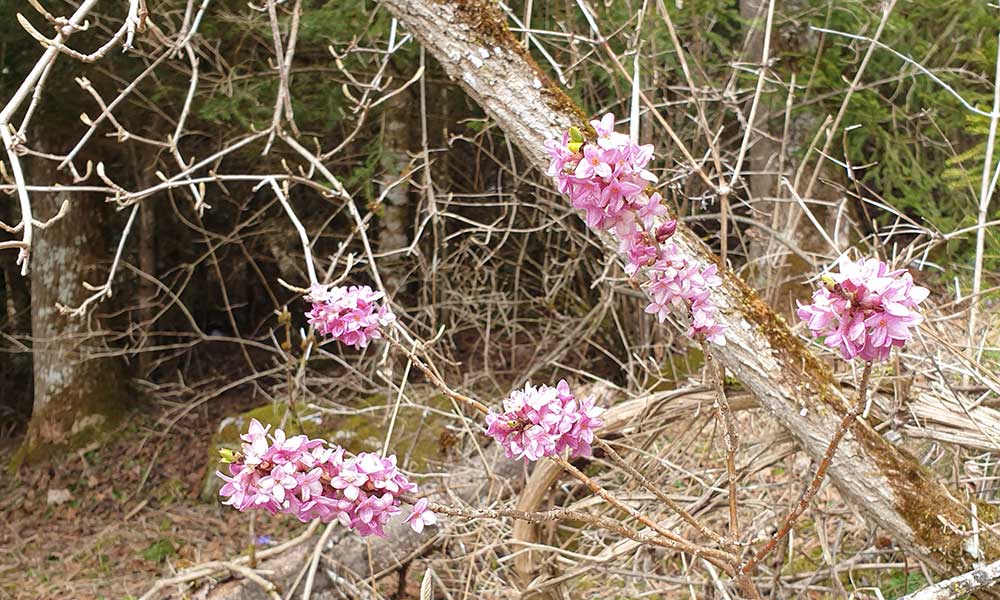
(606, 135)
(311, 480)
(608, 180)
(640, 253)
(617, 192)
(544, 421)
(865, 309)
(255, 442)
(595, 162)
(665, 230)
(420, 517)
(651, 212)
(561, 154)
(274, 485)
(352, 315)
(349, 482)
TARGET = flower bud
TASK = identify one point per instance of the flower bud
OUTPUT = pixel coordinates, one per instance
(227, 456)
(665, 230)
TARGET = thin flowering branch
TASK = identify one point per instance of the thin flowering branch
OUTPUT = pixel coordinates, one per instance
(817, 481)
(724, 415)
(720, 558)
(656, 491)
(435, 379)
(864, 310)
(544, 421)
(351, 315)
(311, 479)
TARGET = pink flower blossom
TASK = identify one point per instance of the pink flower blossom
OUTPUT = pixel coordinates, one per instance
(560, 153)
(310, 480)
(865, 309)
(606, 135)
(595, 161)
(608, 180)
(351, 315)
(544, 421)
(420, 516)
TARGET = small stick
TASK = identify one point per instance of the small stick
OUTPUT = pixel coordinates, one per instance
(721, 557)
(565, 514)
(253, 541)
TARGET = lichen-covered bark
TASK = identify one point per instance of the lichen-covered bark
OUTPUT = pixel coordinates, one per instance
(76, 397)
(472, 42)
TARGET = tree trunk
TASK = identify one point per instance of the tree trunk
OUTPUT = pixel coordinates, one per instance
(394, 225)
(76, 397)
(471, 40)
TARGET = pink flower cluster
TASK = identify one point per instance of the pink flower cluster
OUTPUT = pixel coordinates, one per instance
(311, 480)
(351, 315)
(865, 309)
(674, 281)
(544, 421)
(609, 181)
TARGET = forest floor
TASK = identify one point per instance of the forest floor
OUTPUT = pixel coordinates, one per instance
(108, 521)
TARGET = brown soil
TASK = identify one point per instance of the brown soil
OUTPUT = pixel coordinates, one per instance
(133, 516)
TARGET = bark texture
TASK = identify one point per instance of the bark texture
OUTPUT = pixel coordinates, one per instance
(961, 585)
(471, 40)
(76, 396)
